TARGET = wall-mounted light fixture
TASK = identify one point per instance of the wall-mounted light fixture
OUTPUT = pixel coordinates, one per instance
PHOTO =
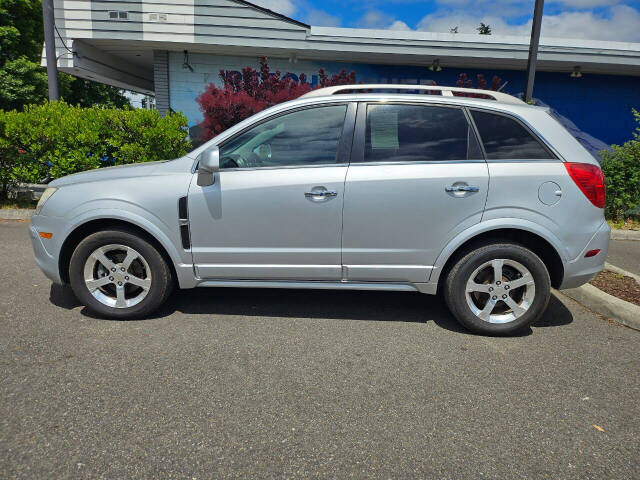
(576, 72)
(185, 63)
(293, 58)
(435, 66)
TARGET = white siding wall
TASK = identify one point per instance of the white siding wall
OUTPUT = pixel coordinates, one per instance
(204, 21)
(88, 24)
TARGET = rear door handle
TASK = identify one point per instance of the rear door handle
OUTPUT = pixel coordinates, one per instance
(461, 188)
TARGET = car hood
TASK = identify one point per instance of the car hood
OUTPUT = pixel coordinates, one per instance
(109, 173)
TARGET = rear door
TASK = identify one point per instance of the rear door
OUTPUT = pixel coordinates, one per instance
(417, 177)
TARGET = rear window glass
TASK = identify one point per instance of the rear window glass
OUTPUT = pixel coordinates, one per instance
(414, 133)
(505, 138)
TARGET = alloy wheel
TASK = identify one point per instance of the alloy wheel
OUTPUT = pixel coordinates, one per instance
(117, 276)
(500, 291)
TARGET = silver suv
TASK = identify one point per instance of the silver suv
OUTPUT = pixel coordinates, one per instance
(471, 193)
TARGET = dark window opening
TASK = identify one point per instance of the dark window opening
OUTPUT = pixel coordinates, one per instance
(415, 133)
(505, 138)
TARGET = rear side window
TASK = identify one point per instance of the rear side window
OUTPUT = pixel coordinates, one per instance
(414, 133)
(505, 138)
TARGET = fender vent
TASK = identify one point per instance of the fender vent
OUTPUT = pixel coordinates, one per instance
(183, 220)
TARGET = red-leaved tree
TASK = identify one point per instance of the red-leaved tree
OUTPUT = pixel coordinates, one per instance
(464, 81)
(244, 95)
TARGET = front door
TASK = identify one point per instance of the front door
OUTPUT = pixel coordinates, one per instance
(416, 179)
(275, 209)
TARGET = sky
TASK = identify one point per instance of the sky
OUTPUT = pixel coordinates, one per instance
(589, 19)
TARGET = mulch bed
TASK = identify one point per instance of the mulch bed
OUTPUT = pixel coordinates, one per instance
(625, 288)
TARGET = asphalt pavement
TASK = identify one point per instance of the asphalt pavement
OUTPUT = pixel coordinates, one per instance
(625, 254)
(254, 383)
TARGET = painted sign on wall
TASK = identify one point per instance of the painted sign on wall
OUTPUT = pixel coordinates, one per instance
(599, 105)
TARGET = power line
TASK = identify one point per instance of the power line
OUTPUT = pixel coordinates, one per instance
(62, 39)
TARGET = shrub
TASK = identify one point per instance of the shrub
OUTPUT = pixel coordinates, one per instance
(465, 82)
(621, 167)
(244, 95)
(56, 139)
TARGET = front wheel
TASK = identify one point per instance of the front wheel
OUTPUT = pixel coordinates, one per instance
(118, 274)
(498, 289)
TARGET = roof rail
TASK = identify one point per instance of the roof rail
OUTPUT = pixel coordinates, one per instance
(429, 90)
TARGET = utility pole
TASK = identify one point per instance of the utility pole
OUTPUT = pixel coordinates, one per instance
(533, 49)
(48, 20)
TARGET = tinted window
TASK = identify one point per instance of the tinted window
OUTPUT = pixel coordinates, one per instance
(305, 137)
(505, 138)
(414, 133)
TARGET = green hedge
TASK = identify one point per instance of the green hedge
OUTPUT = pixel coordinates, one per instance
(56, 139)
(621, 168)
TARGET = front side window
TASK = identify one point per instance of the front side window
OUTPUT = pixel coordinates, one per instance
(414, 133)
(303, 137)
(505, 138)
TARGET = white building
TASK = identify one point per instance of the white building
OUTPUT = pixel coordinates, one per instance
(139, 45)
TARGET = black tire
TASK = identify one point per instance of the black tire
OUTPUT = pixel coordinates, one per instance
(161, 285)
(455, 286)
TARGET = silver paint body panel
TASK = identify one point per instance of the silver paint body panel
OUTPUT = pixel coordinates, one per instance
(390, 226)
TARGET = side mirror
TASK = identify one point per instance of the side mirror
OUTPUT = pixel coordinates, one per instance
(208, 166)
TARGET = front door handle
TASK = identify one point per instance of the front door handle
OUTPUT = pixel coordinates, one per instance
(461, 188)
(320, 193)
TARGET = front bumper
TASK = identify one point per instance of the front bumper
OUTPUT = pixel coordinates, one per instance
(47, 250)
(580, 270)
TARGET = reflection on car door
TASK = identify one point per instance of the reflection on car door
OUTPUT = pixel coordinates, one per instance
(275, 209)
(417, 178)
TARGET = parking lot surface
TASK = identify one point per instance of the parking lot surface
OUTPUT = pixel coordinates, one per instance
(255, 383)
(625, 254)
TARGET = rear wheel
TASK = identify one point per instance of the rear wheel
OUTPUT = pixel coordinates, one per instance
(118, 274)
(498, 289)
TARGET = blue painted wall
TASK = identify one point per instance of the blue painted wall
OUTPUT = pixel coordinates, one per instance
(598, 104)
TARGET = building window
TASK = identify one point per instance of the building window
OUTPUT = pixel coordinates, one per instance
(118, 15)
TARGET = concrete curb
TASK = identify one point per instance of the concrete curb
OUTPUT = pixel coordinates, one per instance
(625, 235)
(620, 271)
(606, 305)
(16, 213)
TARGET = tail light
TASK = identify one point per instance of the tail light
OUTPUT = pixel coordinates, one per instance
(590, 180)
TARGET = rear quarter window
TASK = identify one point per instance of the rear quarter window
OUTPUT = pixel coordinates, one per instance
(505, 138)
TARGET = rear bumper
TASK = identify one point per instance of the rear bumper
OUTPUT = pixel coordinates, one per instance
(46, 250)
(579, 271)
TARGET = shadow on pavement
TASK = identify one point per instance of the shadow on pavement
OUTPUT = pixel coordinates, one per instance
(556, 314)
(62, 296)
(325, 304)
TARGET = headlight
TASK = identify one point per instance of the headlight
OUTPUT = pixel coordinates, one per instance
(46, 195)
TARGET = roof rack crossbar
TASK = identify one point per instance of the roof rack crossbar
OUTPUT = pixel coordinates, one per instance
(444, 91)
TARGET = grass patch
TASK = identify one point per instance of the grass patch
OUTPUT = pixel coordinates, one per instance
(628, 224)
(13, 203)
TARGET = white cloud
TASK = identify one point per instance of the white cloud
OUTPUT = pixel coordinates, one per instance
(375, 19)
(284, 7)
(322, 19)
(398, 25)
(587, 3)
(586, 19)
(622, 24)
(444, 22)
(378, 19)
(512, 7)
